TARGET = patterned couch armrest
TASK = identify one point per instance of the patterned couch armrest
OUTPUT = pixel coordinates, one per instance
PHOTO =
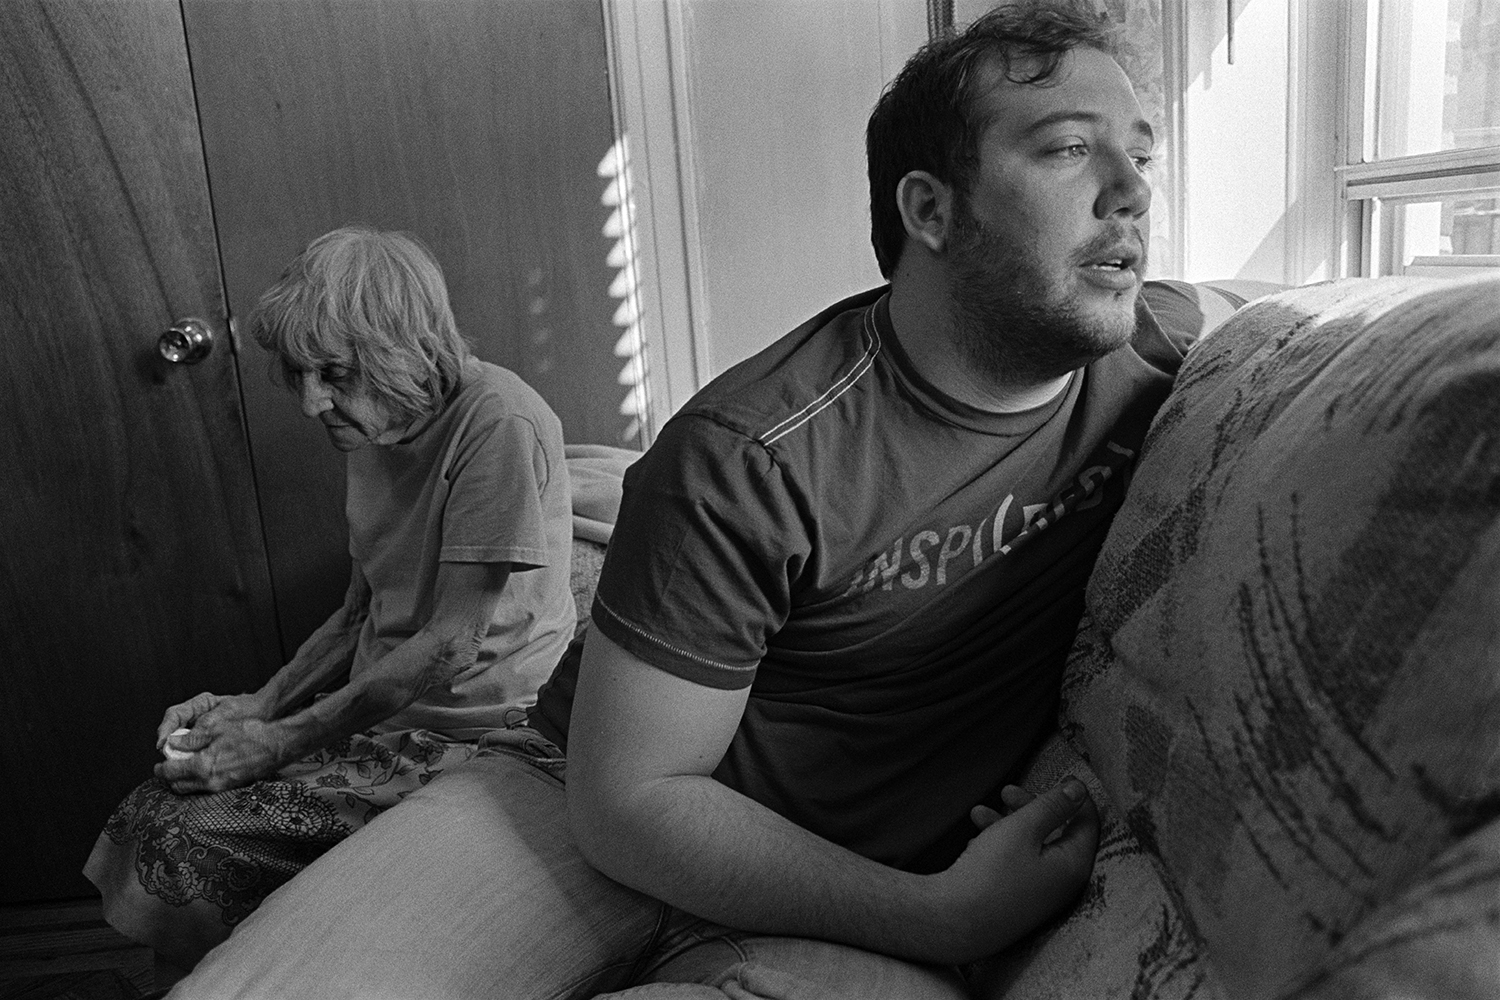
(1290, 689)
(1439, 940)
(588, 560)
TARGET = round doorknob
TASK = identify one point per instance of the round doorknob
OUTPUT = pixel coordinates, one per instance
(187, 342)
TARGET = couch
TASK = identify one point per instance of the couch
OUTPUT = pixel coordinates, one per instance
(1286, 691)
(1285, 694)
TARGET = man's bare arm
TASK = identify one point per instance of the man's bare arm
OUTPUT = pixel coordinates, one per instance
(642, 745)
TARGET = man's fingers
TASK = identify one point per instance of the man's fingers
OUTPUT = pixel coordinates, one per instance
(1053, 808)
(982, 816)
(1083, 829)
(1013, 797)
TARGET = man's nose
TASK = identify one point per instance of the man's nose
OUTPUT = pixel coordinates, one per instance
(314, 393)
(1124, 190)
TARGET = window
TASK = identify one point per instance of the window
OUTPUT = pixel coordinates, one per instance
(1420, 170)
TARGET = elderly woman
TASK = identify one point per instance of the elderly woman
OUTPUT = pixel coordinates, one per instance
(457, 609)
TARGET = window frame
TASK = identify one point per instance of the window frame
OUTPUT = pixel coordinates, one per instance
(1373, 191)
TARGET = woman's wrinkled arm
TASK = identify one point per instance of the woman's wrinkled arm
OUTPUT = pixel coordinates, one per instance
(244, 749)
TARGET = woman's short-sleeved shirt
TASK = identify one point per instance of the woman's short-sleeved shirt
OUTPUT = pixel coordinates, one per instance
(484, 481)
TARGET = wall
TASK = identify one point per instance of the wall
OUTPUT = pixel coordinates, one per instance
(749, 205)
(1235, 142)
(1258, 191)
(776, 130)
(475, 125)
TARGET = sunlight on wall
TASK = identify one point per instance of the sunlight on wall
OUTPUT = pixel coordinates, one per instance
(1236, 171)
(620, 227)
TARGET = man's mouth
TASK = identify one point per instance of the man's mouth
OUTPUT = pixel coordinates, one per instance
(1114, 266)
(1116, 259)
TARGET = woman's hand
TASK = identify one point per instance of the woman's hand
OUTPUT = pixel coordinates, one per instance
(205, 710)
(1020, 869)
(227, 753)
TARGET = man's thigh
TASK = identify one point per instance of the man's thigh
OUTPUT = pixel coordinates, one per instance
(702, 960)
(471, 887)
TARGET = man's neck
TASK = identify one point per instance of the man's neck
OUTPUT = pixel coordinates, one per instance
(927, 327)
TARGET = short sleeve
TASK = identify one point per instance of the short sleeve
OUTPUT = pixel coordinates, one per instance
(1189, 311)
(497, 472)
(1168, 323)
(705, 555)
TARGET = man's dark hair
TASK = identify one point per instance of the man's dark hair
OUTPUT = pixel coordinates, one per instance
(928, 118)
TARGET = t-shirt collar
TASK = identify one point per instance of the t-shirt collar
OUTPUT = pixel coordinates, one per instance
(955, 411)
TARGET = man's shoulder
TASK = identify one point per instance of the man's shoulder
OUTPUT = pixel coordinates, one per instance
(1164, 330)
(1138, 376)
(795, 375)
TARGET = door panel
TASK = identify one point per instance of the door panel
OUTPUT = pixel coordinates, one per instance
(479, 125)
(132, 572)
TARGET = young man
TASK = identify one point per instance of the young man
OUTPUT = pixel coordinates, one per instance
(833, 614)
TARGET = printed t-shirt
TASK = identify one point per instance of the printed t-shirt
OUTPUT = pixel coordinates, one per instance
(897, 576)
(483, 481)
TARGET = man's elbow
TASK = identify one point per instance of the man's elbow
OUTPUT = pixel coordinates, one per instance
(603, 826)
(588, 820)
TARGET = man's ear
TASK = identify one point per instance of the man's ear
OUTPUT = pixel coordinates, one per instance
(926, 206)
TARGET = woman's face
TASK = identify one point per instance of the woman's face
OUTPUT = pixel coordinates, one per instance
(351, 415)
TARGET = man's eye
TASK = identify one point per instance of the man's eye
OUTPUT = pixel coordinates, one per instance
(1144, 161)
(1072, 151)
(333, 373)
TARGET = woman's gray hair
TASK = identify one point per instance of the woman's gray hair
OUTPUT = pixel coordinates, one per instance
(371, 302)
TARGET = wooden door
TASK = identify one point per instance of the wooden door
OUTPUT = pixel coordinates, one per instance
(132, 571)
(480, 126)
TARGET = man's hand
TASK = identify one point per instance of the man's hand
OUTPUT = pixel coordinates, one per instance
(646, 811)
(228, 753)
(201, 714)
(1020, 869)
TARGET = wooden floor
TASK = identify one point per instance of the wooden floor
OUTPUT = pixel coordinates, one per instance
(65, 951)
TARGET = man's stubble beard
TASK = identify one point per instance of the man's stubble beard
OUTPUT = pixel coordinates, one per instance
(1014, 324)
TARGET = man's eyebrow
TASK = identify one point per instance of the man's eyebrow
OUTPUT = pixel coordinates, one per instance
(1140, 126)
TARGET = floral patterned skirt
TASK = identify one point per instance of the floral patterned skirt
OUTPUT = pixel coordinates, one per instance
(178, 872)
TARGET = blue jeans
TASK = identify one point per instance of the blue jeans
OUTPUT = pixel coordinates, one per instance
(472, 887)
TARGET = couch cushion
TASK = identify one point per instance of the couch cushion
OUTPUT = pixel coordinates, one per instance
(1290, 686)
